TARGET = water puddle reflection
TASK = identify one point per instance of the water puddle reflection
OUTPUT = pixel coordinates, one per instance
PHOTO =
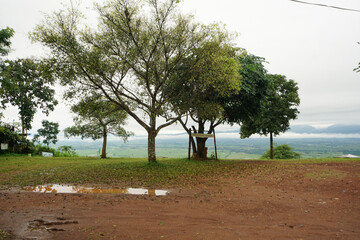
(56, 188)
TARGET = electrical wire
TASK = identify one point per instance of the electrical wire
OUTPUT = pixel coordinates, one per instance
(324, 5)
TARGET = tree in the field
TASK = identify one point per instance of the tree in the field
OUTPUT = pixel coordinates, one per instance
(282, 151)
(26, 84)
(96, 119)
(5, 43)
(209, 73)
(278, 108)
(48, 133)
(128, 59)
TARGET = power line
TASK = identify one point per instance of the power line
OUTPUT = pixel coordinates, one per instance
(324, 5)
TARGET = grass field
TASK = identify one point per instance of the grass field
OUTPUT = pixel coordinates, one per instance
(227, 148)
(24, 170)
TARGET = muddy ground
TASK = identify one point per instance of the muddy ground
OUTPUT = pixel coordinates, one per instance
(311, 201)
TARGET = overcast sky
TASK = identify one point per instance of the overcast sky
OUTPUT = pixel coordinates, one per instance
(315, 46)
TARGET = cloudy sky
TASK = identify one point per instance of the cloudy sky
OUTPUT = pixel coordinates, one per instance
(315, 46)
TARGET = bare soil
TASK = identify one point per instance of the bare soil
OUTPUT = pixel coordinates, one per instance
(311, 201)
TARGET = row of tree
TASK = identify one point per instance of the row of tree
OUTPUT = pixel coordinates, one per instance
(150, 62)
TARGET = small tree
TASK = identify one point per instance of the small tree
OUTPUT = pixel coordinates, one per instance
(283, 151)
(97, 118)
(26, 84)
(278, 108)
(48, 132)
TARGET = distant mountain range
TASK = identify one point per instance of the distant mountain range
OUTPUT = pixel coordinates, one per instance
(334, 129)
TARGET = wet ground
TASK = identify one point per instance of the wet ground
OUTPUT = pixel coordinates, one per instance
(297, 204)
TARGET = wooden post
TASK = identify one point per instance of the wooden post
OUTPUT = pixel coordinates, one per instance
(189, 145)
(216, 158)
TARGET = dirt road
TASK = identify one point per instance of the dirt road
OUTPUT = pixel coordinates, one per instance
(313, 201)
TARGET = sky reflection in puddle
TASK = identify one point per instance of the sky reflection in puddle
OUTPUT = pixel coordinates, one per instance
(55, 188)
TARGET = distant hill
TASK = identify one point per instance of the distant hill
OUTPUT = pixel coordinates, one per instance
(334, 129)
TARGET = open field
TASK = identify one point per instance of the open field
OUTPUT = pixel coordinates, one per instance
(227, 199)
(227, 148)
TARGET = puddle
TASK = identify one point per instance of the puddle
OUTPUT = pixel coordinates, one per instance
(40, 224)
(55, 188)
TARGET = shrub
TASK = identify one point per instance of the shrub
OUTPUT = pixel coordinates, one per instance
(283, 151)
(16, 142)
(66, 151)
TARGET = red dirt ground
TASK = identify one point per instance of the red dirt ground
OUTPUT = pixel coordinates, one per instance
(293, 204)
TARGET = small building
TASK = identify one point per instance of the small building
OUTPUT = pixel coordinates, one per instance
(348, 156)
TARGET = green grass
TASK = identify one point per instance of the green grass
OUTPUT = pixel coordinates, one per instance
(134, 172)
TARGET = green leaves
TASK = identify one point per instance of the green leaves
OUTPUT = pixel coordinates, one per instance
(5, 35)
(26, 85)
(48, 132)
(277, 109)
(282, 151)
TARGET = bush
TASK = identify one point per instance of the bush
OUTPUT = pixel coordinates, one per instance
(16, 142)
(66, 151)
(42, 148)
(283, 151)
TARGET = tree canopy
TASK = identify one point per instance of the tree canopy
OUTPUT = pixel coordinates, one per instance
(48, 132)
(128, 59)
(246, 104)
(26, 85)
(209, 73)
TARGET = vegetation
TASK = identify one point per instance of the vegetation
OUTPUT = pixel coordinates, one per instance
(26, 85)
(277, 109)
(5, 43)
(282, 151)
(62, 151)
(16, 143)
(48, 132)
(96, 118)
(128, 59)
(209, 73)
(23, 170)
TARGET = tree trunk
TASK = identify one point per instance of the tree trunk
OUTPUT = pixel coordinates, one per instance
(201, 148)
(103, 153)
(201, 142)
(151, 145)
(271, 146)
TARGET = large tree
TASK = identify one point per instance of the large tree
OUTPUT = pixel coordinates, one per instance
(26, 84)
(97, 118)
(209, 102)
(5, 43)
(128, 59)
(209, 73)
(277, 109)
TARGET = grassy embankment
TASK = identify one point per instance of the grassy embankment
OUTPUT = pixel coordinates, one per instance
(125, 172)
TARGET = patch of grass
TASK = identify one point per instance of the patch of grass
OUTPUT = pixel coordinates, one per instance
(134, 172)
(21, 171)
(324, 174)
(5, 235)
